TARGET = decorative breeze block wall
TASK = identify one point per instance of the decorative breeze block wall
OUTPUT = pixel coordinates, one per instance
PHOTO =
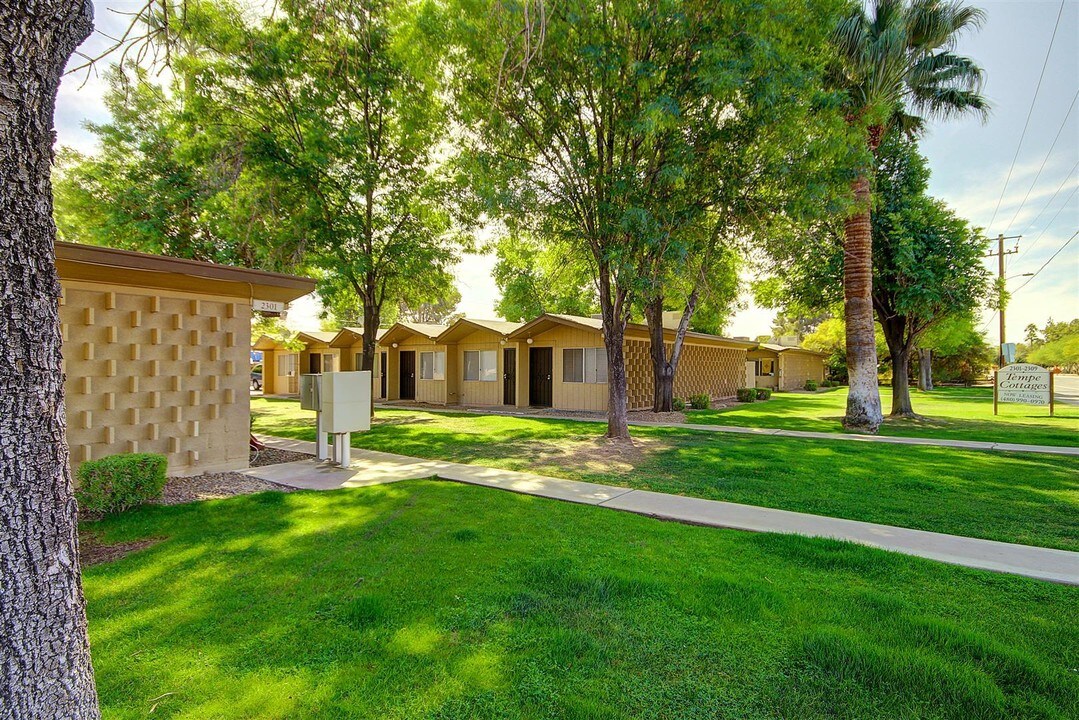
(716, 371)
(152, 371)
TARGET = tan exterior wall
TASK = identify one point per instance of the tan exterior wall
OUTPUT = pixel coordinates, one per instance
(796, 368)
(766, 381)
(274, 384)
(564, 395)
(480, 392)
(436, 392)
(156, 371)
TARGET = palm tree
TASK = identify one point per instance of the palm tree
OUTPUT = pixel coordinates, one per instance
(897, 66)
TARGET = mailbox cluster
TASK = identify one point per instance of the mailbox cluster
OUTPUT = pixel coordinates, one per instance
(342, 405)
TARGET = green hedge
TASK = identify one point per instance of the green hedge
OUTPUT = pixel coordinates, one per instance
(700, 402)
(678, 404)
(120, 482)
(764, 393)
(747, 394)
(811, 385)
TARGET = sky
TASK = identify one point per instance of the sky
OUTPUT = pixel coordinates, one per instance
(1037, 196)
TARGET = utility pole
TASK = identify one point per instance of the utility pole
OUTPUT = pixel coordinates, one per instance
(999, 255)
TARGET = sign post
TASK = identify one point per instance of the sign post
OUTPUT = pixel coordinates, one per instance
(1025, 384)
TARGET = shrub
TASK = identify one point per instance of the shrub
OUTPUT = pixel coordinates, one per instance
(120, 482)
(764, 393)
(747, 394)
(700, 401)
(811, 385)
(678, 404)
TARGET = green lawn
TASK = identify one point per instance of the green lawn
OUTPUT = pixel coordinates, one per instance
(1025, 498)
(952, 413)
(435, 600)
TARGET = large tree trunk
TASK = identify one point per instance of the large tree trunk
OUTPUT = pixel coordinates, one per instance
(612, 308)
(899, 350)
(665, 368)
(45, 670)
(371, 319)
(863, 400)
(925, 369)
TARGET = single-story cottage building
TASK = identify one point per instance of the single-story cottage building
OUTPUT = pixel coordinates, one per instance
(156, 354)
(418, 366)
(783, 367)
(485, 359)
(562, 363)
(349, 340)
(283, 363)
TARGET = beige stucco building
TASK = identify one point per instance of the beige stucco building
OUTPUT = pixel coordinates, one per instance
(781, 367)
(156, 353)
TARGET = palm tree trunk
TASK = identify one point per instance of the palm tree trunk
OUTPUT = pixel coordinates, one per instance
(45, 671)
(863, 401)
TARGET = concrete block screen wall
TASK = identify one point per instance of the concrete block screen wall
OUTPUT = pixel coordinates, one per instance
(153, 371)
(156, 354)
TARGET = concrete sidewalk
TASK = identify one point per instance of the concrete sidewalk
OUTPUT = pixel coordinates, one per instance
(775, 432)
(370, 467)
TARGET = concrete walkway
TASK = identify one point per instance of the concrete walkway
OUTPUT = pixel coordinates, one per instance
(738, 429)
(373, 468)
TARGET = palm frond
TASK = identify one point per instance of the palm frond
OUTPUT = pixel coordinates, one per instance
(948, 102)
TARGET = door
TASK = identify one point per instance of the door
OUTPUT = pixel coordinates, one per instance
(382, 373)
(407, 363)
(509, 376)
(314, 363)
(539, 376)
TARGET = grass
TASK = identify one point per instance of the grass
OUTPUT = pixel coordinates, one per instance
(1023, 498)
(433, 600)
(946, 413)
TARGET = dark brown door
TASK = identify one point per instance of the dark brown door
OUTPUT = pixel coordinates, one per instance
(407, 364)
(509, 376)
(539, 376)
(382, 369)
(314, 362)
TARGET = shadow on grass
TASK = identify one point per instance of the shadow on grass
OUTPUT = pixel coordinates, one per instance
(427, 599)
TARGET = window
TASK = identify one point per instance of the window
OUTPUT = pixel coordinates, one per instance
(481, 365)
(286, 365)
(327, 362)
(359, 361)
(432, 366)
(766, 368)
(584, 365)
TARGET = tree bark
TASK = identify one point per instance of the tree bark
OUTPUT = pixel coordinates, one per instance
(900, 347)
(45, 670)
(665, 369)
(863, 400)
(925, 369)
(612, 308)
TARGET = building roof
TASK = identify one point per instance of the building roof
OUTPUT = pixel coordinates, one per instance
(100, 264)
(315, 336)
(547, 321)
(401, 330)
(789, 348)
(350, 335)
(465, 326)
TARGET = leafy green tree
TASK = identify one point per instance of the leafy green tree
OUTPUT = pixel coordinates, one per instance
(602, 127)
(1061, 352)
(338, 104)
(954, 348)
(535, 278)
(896, 60)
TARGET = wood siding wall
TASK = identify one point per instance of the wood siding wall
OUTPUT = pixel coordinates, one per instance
(479, 392)
(155, 371)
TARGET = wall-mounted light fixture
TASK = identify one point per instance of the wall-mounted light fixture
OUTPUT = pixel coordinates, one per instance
(395, 344)
(529, 341)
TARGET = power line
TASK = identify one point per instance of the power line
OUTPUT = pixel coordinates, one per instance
(1044, 161)
(1053, 257)
(1030, 112)
(1046, 207)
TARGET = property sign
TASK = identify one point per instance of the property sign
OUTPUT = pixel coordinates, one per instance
(1025, 384)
